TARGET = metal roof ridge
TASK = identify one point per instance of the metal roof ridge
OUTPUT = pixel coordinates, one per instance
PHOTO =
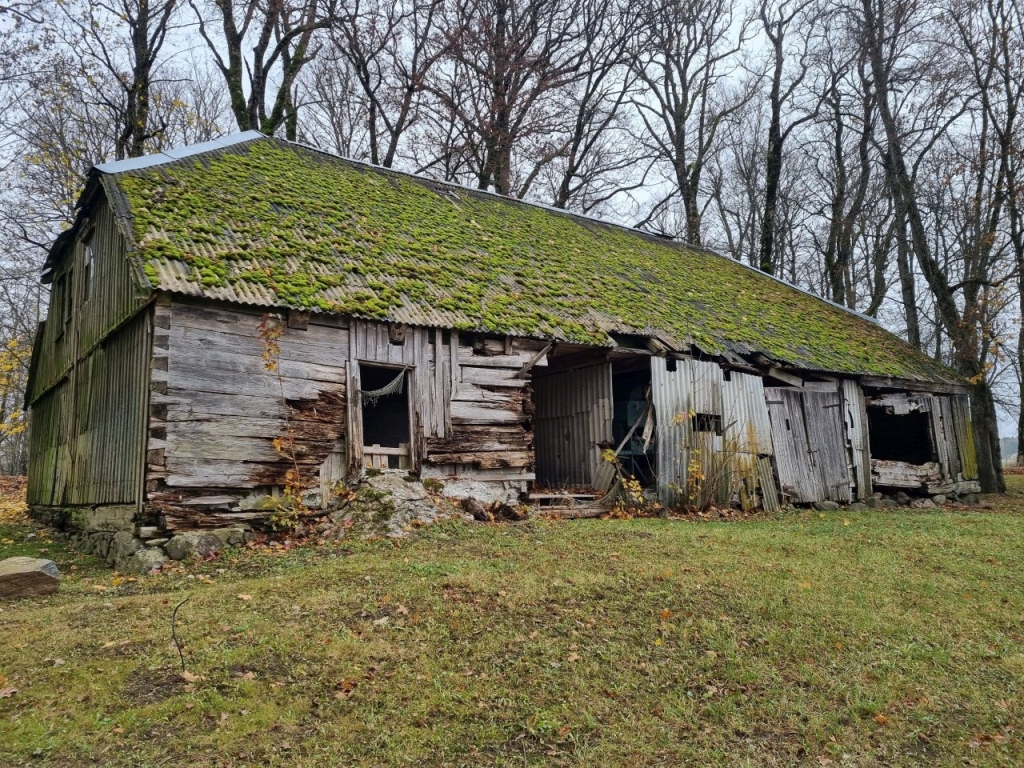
(177, 153)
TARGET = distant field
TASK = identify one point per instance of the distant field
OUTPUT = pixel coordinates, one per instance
(848, 639)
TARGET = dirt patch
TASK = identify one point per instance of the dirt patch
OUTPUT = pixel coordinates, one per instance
(146, 686)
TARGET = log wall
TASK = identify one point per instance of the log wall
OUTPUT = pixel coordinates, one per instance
(223, 426)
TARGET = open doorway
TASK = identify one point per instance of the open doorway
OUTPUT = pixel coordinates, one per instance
(632, 419)
(385, 411)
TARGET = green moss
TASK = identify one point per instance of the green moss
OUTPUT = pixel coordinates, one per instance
(314, 232)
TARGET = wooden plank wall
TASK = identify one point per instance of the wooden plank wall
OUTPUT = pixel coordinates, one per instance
(960, 406)
(826, 433)
(116, 296)
(574, 415)
(216, 410)
(87, 438)
(856, 422)
(491, 410)
(799, 481)
(954, 465)
(812, 453)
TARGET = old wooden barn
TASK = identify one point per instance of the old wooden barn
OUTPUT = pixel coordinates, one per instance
(500, 347)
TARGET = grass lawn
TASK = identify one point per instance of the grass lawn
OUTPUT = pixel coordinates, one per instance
(859, 639)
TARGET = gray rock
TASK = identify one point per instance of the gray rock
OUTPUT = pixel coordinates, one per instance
(858, 506)
(190, 543)
(477, 510)
(970, 499)
(826, 506)
(387, 504)
(144, 561)
(902, 499)
(27, 577)
(939, 499)
(873, 503)
(230, 537)
(123, 545)
(889, 503)
(928, 504)
(156, 542)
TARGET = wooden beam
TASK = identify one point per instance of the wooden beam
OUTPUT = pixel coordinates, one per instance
(925, 387)
(781, 375)
(536, 359)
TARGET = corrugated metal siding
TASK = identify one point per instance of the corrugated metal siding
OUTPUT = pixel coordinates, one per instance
(732, 465)
(92, 452)
(745, 415)
(574, 415)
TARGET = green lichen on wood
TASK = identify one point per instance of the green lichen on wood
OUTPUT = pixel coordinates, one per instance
(316, 232)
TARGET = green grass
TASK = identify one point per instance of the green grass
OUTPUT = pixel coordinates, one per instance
(862, 639)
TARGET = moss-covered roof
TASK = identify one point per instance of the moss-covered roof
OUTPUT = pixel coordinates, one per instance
(271, 223)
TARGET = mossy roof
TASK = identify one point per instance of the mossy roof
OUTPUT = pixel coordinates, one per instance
(271, 223)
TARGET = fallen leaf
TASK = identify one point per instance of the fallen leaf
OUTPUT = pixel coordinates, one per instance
(188, 677)
(248, 676)
(665, 613)
(119, 729)
(880, 719)
(223, 717)
(572, 657)
(402, 610)
(244, 597)
(6, 693)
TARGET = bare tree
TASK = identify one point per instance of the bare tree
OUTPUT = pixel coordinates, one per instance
(506, 59)
(788, 27)
(122, 40)
(686, 57)
(281, 34)
(390, 48)
(960, 306)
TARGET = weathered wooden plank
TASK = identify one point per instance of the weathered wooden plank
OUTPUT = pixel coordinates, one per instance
(196, 359)
(492, 377)
(473, 413)
(486, 459)
(516, 360)
(182, 405)
(512, 399)
(327, 346)
(900, 474)
(827, 441)
(186, 378)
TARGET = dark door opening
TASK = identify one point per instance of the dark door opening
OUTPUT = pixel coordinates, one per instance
(385, 412)
(905, 437)
(631, 384)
